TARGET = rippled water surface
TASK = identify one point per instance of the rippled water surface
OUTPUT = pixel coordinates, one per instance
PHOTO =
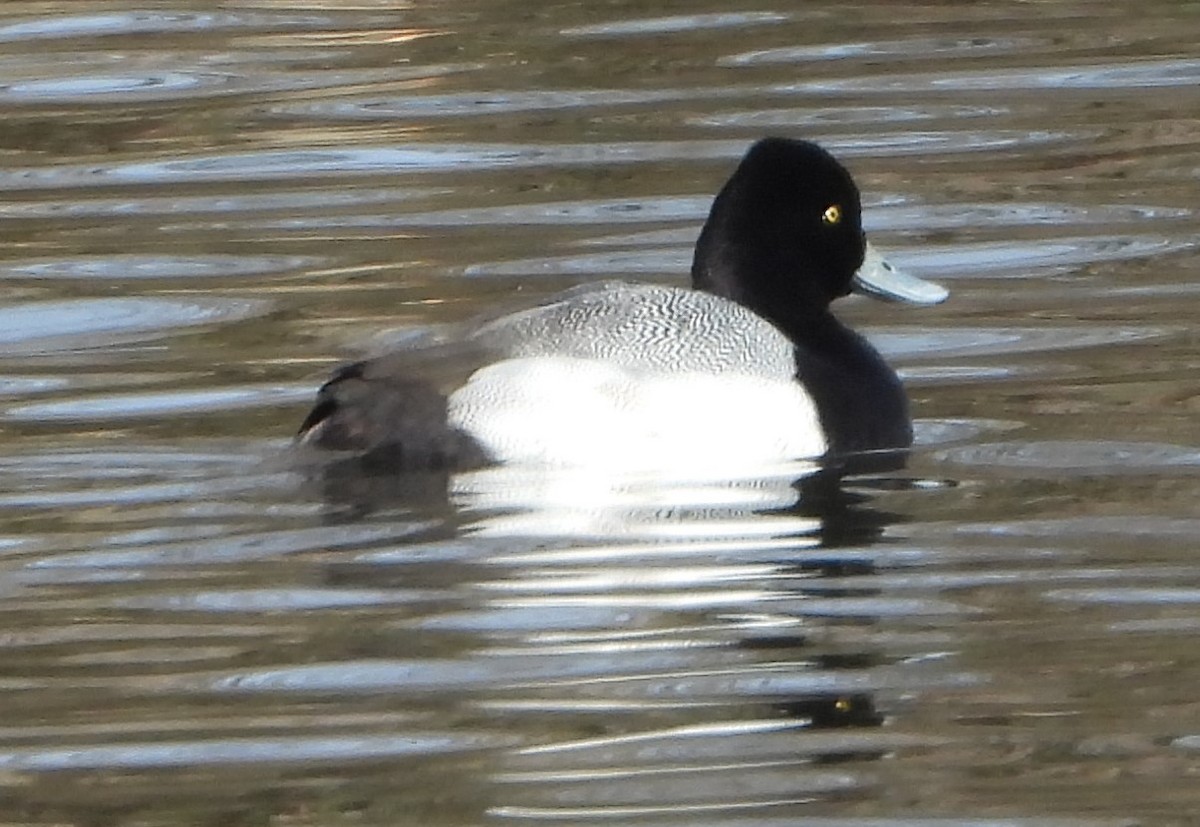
(206, 207)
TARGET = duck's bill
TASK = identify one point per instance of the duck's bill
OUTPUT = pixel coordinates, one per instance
(882, 280)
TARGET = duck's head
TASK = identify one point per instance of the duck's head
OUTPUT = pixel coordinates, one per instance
(785, 238)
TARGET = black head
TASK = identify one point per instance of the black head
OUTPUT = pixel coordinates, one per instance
(784, 236)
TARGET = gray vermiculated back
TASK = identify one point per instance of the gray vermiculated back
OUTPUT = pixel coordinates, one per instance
(646, 327)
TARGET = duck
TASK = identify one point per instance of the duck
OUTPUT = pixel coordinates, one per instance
(747, 366)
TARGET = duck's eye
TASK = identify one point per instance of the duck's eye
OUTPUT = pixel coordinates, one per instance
(832, 215)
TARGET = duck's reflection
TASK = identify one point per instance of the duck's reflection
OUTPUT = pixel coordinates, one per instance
(663, 643)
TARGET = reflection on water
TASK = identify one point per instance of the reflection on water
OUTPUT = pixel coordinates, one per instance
(582, 503)
(203, 211)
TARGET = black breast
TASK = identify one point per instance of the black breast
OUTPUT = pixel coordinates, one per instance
(859, 398)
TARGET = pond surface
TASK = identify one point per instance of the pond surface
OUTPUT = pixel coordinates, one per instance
(204, 208)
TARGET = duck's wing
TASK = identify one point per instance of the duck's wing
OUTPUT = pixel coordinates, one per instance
(645, 327)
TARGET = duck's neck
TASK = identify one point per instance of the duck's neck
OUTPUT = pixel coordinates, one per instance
(859, 398)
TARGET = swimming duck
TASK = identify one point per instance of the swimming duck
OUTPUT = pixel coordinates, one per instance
(746, 366)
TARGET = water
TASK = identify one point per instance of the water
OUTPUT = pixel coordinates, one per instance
(203, 211)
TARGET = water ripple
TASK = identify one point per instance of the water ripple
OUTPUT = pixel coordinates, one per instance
(210, 491)
(815, 117)
(29, 385)
(904, 217)
(165, 403)
(76, 323)
(126, 464)
(673, 24)
(161, 754)
(233, 548)
(268, 165)
(574, 213)
(551, 213)
(1151, 73)
(882, 215)
(147, 22)
(232, 202)
(1079, 456)
(169, 85)
(621, 262)
(487, 103)
(291, 599)
(429, 675)
(942, 431)
(1016, 259)
(1025, 258)
(1164, 596)
(920, 48)
(1091, 528)
(955, 342)
(155, 266)
(714, 743)
(626, 792)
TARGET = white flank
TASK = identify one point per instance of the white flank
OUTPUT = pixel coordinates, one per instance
(564, 412)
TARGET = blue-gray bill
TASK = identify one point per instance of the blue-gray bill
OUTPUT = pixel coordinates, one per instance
(876, 277)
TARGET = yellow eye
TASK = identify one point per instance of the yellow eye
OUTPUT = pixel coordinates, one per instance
(832, 215)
